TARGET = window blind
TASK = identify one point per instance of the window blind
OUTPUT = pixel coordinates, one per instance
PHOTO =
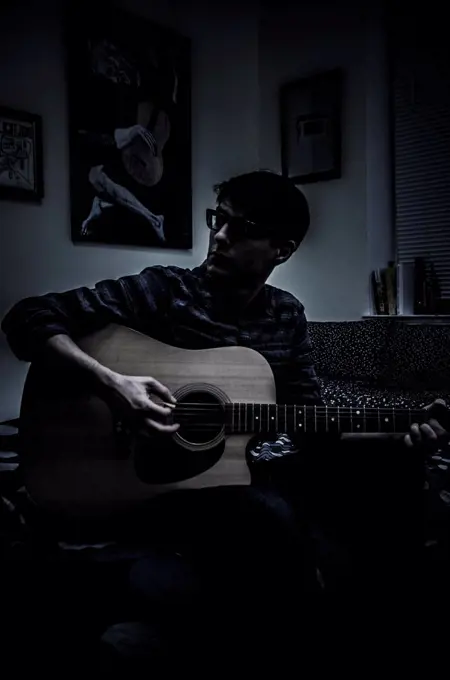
(420, 96)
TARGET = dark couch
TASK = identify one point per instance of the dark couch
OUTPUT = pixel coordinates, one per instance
(376, 362)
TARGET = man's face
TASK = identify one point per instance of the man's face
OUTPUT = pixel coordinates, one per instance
(240, 260)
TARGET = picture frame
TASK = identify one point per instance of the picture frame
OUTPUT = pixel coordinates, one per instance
(21, 162)
(129, 94)
(311, 127)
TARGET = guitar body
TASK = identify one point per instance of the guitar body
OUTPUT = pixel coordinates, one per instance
(80, 461)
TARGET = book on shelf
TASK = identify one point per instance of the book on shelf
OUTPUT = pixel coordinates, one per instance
(378, 292)
(405, 288)
(385, 294)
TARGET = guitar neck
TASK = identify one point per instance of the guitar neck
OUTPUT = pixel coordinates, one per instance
(265, 418)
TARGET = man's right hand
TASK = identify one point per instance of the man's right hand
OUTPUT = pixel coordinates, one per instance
(132, 394)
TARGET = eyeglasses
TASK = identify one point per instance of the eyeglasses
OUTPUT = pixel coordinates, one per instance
(239, 227)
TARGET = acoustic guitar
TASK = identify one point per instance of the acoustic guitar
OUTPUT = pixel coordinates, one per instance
(79, 459)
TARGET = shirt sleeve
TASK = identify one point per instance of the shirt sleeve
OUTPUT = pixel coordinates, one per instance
(127, 301)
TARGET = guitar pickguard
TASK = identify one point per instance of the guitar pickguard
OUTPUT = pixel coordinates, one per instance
(161, 460)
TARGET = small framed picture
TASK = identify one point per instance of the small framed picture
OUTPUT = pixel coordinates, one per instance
(21, 174)
(310, 113)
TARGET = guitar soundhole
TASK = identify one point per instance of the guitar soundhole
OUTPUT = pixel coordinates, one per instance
(164, 459)
(201, 416)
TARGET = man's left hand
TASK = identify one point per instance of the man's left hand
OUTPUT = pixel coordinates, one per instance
(430, 434)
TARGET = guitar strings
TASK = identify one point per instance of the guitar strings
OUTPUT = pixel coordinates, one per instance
(322, 416)
(264, 422)
(320, 410)
(319, 416)
(214, 427)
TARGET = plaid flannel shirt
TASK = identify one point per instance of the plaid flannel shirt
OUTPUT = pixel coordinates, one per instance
(174, 305)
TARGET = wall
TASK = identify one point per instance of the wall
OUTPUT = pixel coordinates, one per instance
(35, 248)
(241, 54)
(329, 272)
(352, 218)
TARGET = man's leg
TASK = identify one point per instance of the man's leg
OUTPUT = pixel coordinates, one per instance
(243, 579)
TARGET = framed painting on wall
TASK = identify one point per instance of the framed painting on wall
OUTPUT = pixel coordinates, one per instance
(310, 114)
(130, 130)
(21, 167)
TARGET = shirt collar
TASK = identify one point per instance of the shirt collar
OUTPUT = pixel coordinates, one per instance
(260, 306)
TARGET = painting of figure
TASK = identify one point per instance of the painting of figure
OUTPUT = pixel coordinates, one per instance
(130, 142)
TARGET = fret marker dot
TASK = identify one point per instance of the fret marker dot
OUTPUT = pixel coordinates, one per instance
(332, 419)
(358, 412)
(272, 418)
(256, 417)
(386, 420)
(358, 426)
(300, 424)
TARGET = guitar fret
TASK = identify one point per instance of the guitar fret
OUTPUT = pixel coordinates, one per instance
(393, 418)
(358, 413)
(332, 421)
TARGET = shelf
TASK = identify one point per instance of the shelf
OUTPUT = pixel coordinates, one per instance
(412, 318)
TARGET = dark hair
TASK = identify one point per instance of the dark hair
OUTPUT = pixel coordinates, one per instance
(268, 199)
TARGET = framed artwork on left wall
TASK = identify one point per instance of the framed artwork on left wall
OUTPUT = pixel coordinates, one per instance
(21, 167)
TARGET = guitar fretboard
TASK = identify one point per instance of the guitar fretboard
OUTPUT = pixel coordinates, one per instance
(248, 417)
